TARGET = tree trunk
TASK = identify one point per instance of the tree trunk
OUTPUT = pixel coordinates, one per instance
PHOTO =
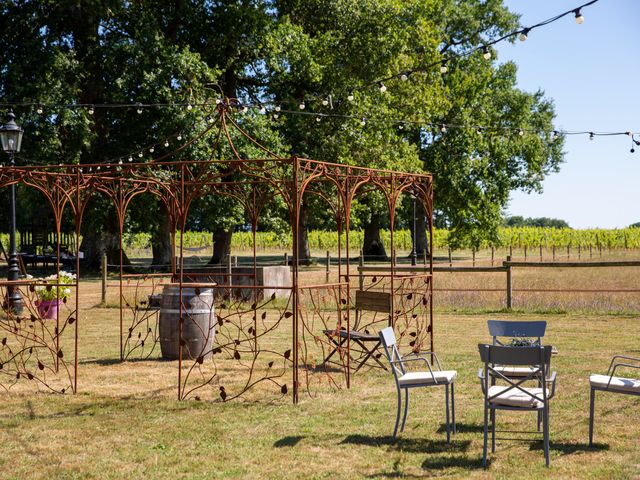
(161, 242)
(221, 246)
(422, 241)
(95, 243)
(303, 238)
(372, 247)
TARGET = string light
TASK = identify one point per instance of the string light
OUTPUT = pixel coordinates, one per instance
(404, 77)
(443, 128)
(325, 102)
(443, 67)
(350, 97)
(520, 132)
(263, 110)
(151, 150)
(140, 154)
(189, 107)
(382, 87)
(363, 121)
(579, 17)
(479, 130)
(592, 136)
(524, 34)
(166, 143)
(39, 110)
(486, 53)
(302, 106)
(318, 119)
(90, 111)
(130, 158)
(179, 137)
(277, 109)
(139, 109)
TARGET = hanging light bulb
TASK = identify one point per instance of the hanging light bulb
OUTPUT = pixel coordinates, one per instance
(263, 110)
(90, 111)
(218, 101)
(443, 128)
(350, 97)
(401, 126)
(209, 119)
(555, 134)
(139, 155)
(404, 77)
(592, 136)
(120, 162)
(277, 109)
(443, 67)
(579, 17)
(382, 87)
(139, 109)
(325, 102)
(524, 34)
(275, 116)
(130, 158)
(363, 122)
(179, 137)
(166, 143)
(151, 150)
(189, 106)
(520, 132)
(479, 130)
(486, 53)
(302, 106)
(39, 110)
(318, 119)
(245, 109)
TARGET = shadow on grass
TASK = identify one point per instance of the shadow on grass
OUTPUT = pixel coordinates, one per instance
(568, 448)
(463, 428)
(414, 445)
(290, 441)
(438, 463)
(105, 362)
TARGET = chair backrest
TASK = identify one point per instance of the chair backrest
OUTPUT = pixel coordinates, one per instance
(519, 356)
(388, 340)
(372, 302)
(505, 328)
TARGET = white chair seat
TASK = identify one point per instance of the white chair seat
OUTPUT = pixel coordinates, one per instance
(425, 378)
(617, 383)
(508, 371)
(515, 397)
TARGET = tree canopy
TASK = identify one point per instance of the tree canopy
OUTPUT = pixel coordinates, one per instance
(315, 52)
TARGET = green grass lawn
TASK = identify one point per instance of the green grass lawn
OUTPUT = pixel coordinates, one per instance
(125, 421)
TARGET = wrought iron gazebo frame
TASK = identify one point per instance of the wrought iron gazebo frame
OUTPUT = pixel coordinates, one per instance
(33, 348)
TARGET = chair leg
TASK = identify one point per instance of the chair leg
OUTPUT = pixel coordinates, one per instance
(592, 407)
(446, 403)
(395, 429)
(406, 408)
(486, 435)
(493, 430)
(453, 409)
(539, 419)
(545, 426)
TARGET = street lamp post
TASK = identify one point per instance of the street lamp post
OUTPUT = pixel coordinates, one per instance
(413, 254)
(11, 139)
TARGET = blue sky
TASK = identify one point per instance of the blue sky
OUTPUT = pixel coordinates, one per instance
(592, 73)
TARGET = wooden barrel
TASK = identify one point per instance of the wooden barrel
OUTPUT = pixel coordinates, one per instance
(198, 327)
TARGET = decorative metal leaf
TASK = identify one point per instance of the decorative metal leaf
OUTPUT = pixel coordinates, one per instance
(264, 315)
(60, 354)
(236, 355)
(287, 354)
(288, 314)
(200, 359)
(284, 389)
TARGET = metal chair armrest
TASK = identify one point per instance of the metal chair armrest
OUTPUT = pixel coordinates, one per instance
(416, 360)
(620, 365)
(415, 354)
(552, 380)
(624, 357)
(481, 378)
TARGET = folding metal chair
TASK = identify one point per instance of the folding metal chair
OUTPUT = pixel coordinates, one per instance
(514, 396)
(610, 383)
(406, 380)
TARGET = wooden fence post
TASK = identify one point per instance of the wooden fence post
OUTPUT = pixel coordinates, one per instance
(424, 256)
(229, 270)
(473, 253)
(450, 256)
(328, 266)
(540, 252)
(509, 283)
(525, 253)
(286, 259)
(492, 254)
(360, 272)
(104, 278)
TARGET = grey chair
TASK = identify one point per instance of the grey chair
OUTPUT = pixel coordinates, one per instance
(513, 395)
(406, 380)
(613, 384)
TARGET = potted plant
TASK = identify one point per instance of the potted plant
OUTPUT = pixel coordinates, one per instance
(53, 292)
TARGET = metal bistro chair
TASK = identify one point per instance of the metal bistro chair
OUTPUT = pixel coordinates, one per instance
(514, 396)
(406, 380)
(609, 383)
